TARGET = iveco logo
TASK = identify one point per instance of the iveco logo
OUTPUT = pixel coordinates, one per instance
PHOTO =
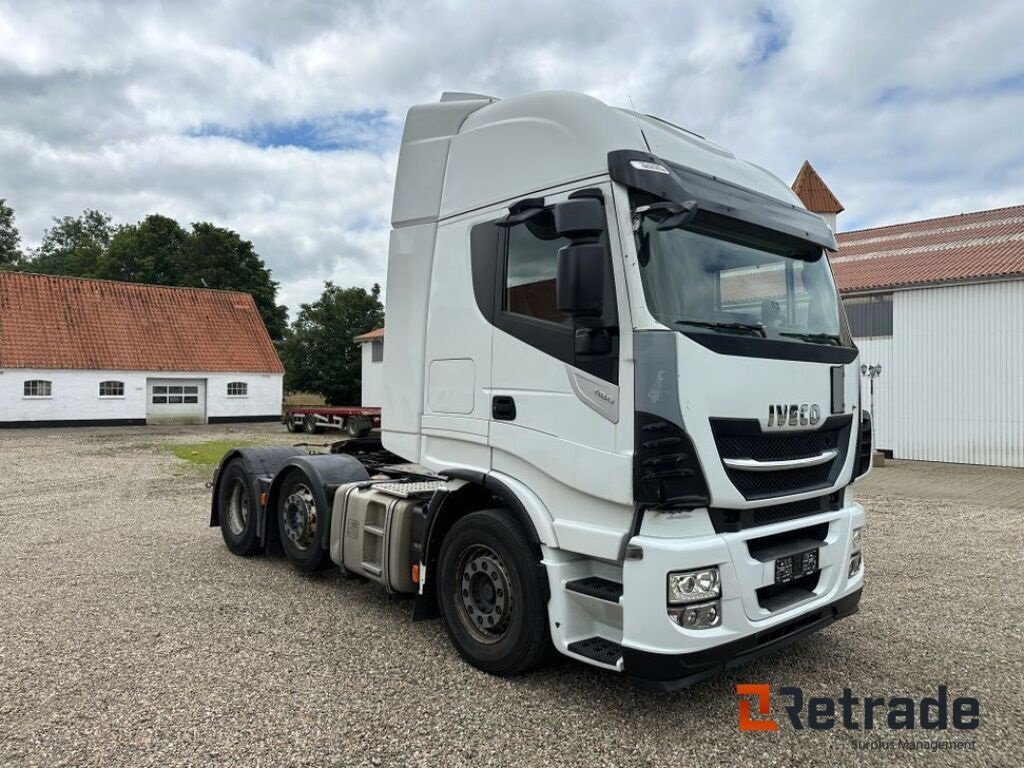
(793, 415)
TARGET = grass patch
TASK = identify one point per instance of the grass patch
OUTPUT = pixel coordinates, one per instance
(210, 452)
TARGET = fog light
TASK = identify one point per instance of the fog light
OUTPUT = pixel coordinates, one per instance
(703, 616)
(855, 563)
(855, 538)
(693, 586)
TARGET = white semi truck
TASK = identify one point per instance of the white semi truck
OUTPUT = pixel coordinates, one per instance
(621, 408)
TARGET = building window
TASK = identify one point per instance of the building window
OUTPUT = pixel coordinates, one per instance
(175, 394)
(530, 274)
(238, 389)
(111, 389)
(869, 315)
(377, 351)
(38, 388)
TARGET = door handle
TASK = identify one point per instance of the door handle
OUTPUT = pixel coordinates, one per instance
(503, 408)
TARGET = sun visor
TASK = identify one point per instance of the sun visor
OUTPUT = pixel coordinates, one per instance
(649, 173)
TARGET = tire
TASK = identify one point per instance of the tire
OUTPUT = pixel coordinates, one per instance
(492, 593)
(300, 523)
(289, 424)
(352, 426)
(237, 507)
(310, 426)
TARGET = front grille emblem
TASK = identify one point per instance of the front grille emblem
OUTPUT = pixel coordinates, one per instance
(796, 414)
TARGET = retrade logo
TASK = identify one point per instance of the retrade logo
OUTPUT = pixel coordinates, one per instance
(822, 713)
(762, 695)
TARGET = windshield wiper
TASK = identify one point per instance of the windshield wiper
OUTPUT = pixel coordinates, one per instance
(820, 337)
(756, 327)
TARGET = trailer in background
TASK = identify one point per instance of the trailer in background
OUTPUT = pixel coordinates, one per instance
(355, 421)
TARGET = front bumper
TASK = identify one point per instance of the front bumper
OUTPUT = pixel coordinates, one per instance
(667, 672)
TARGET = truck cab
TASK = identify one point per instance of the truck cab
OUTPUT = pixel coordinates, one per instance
(617, 353)
(702, 412)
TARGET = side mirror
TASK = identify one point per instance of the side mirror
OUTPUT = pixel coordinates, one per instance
(579, 279)
(580, 219)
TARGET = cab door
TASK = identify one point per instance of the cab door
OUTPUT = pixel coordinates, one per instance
(559, 424)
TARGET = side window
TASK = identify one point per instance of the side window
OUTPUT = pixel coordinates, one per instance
(38, 388)
(530, 270)
(111, 389)
(514, 269)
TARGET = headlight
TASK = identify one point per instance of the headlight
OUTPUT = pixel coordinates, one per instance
(855, 539)
(693, 586)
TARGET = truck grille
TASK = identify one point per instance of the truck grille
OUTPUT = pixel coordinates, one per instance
(731, 520)
(744, 439)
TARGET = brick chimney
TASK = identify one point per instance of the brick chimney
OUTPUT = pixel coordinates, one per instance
(815, 195)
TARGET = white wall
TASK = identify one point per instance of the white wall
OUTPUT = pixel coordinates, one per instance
(372, 393)
(76, 394)
(952, 383)
(878, 351)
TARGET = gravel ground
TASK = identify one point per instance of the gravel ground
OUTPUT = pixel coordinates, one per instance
(130, 636)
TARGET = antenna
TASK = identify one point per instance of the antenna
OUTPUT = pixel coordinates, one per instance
(638, 126)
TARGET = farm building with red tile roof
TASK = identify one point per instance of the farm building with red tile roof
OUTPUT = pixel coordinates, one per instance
(938, 304)
(76, 350)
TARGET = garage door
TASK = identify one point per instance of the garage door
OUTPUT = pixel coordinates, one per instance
(175, 401)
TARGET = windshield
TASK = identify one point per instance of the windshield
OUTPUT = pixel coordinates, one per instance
(695, 281)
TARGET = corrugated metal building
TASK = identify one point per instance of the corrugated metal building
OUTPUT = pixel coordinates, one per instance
(939, 304)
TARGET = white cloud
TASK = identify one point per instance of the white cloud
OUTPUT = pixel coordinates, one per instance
(907, 110)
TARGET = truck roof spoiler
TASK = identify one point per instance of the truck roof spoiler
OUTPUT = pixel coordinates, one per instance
(460, 96)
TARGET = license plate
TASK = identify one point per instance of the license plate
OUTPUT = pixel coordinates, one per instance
(796, 566)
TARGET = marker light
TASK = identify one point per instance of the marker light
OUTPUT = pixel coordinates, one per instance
(693, 586)
(645, 165)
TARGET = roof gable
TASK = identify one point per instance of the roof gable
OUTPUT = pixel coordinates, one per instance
(813, 192)
(47, 321)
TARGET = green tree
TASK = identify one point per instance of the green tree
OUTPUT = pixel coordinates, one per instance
(74, 245)
(318, 352)
(10, 251)
(147, 252)
(215, 257)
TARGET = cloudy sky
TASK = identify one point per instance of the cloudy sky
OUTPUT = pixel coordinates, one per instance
(281, 120)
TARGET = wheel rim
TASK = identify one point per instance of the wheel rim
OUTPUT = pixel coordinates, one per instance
(300, 516)
(238, 509)
(484, 599)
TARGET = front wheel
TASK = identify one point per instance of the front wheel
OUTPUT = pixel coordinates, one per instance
(300, 523)
(492, 592)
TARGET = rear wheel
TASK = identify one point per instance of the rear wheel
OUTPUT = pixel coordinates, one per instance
(236, 505)
(358, 426)
(300, 523)
(492, 594)
(310, 425)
